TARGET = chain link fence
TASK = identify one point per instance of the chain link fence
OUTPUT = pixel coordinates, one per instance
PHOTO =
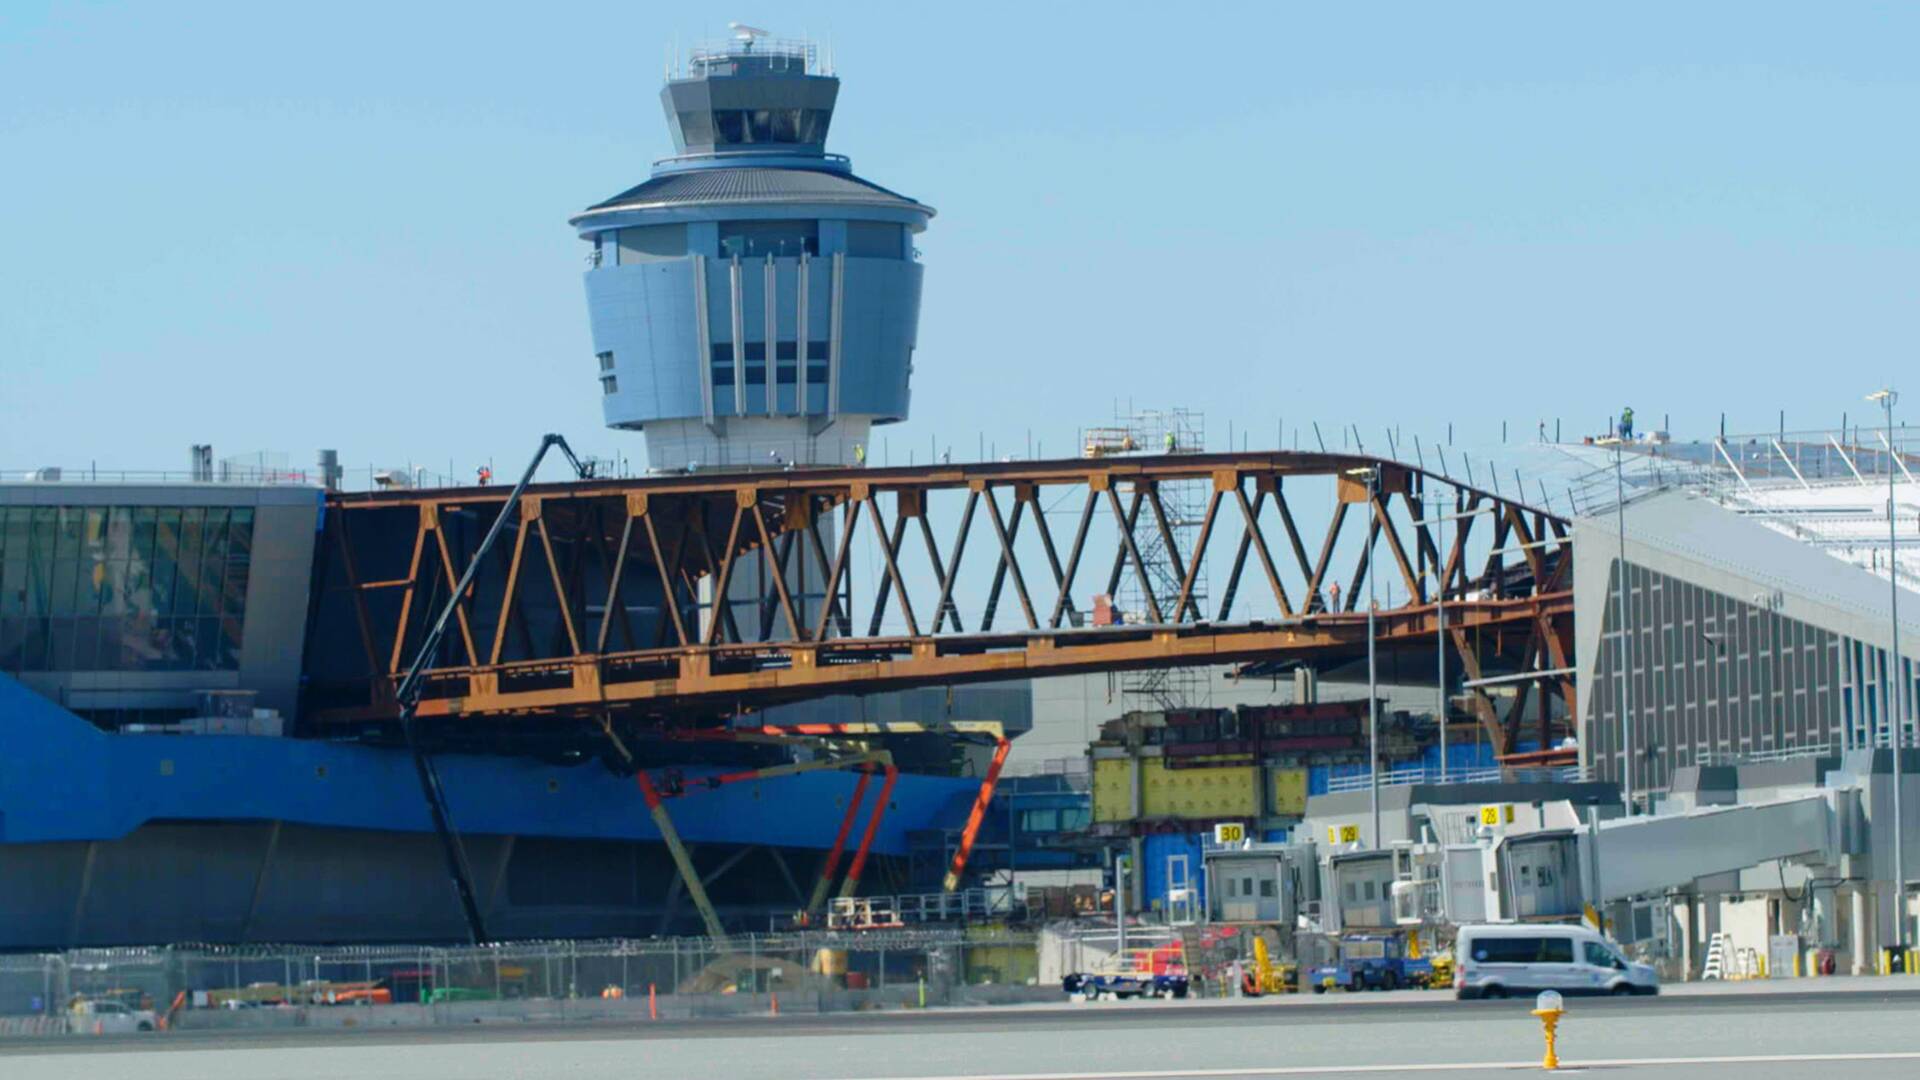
(661, 977)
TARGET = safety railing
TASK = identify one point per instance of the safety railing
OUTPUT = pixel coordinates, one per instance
(1483, 775)
(884, 912)
(1776, 753)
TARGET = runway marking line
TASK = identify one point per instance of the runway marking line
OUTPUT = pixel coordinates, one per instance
(1444, 1066)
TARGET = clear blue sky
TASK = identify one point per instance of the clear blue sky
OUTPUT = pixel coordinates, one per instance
(275, 226)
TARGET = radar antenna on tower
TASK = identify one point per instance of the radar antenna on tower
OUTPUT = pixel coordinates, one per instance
(746, 35)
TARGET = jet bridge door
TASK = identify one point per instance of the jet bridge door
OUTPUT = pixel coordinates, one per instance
(1543, 876)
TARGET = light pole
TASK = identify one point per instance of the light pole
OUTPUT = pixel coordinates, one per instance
(1626, 632)
(1440, 630)
(1441, 578)
(1892, 703)
(1372, 476)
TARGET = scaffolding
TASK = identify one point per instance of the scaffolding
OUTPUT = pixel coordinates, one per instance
(1159, 431)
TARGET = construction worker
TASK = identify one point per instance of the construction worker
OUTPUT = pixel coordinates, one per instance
(1626, 423)
(860, 455)
(485, 474)
(1171, 442)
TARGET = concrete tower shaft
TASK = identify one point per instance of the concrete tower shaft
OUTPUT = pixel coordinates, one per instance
(753, 302)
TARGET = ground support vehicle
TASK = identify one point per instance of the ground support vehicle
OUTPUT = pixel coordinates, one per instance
(1371, 962)
(1264, 976)
(1159, 972)
(1095, 985)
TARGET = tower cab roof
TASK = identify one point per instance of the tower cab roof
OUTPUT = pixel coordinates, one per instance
(754, 186)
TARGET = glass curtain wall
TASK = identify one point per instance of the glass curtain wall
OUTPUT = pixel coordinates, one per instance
(123, 588)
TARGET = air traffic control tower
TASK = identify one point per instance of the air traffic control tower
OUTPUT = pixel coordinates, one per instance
(754, 303)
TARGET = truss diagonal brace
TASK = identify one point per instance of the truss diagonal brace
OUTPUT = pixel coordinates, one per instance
(408, 697)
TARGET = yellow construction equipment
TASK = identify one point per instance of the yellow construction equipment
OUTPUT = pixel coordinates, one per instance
(1265, 976)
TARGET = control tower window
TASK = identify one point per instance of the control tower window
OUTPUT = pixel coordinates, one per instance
(652, 243)
(745, 127)
(874, 240)
(757, 239)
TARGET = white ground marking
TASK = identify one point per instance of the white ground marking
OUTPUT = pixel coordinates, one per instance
(1448, 1066)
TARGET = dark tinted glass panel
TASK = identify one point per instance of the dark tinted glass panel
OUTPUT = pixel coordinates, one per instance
(213, 562)
(813, 126)
(874, 239)
(1556, 950)
(729, 127)
(696, 128)
(15, 532)
(1506, 950)
(64, 578)
(758, 239)
(123, 588)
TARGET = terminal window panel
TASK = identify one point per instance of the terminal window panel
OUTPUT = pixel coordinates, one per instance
(119, 588)
(758, 239)
(1712, 675)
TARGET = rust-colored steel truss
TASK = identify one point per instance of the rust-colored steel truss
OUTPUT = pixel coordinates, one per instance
(604, 602)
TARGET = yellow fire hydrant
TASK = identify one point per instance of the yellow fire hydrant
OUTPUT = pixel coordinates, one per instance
(1548, 1008)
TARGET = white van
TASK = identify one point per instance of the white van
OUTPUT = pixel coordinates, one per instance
(1495, 961)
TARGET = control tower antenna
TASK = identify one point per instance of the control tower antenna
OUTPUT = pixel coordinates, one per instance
(746, 35)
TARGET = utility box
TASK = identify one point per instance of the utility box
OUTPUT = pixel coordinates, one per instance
(1783, 956)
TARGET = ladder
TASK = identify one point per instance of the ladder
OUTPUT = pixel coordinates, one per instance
(1717, 950)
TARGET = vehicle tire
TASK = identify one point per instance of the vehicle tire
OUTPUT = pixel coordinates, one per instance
(144, 1026)
(1318, 989)
(1622, 990)
(1495, 991)
(1391, 982)
(1179, 993)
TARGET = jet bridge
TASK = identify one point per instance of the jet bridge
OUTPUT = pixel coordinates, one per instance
(1639, 855)
(1551, 873)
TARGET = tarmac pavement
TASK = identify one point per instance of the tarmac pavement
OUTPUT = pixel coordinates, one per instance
(1859, 1028)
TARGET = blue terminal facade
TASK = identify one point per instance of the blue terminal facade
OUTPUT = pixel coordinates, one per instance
(753, 301)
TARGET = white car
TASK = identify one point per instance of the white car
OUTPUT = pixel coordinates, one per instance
(112, 1018)
(1497, 960)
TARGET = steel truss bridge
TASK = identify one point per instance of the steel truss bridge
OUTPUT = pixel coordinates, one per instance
(597, 606)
